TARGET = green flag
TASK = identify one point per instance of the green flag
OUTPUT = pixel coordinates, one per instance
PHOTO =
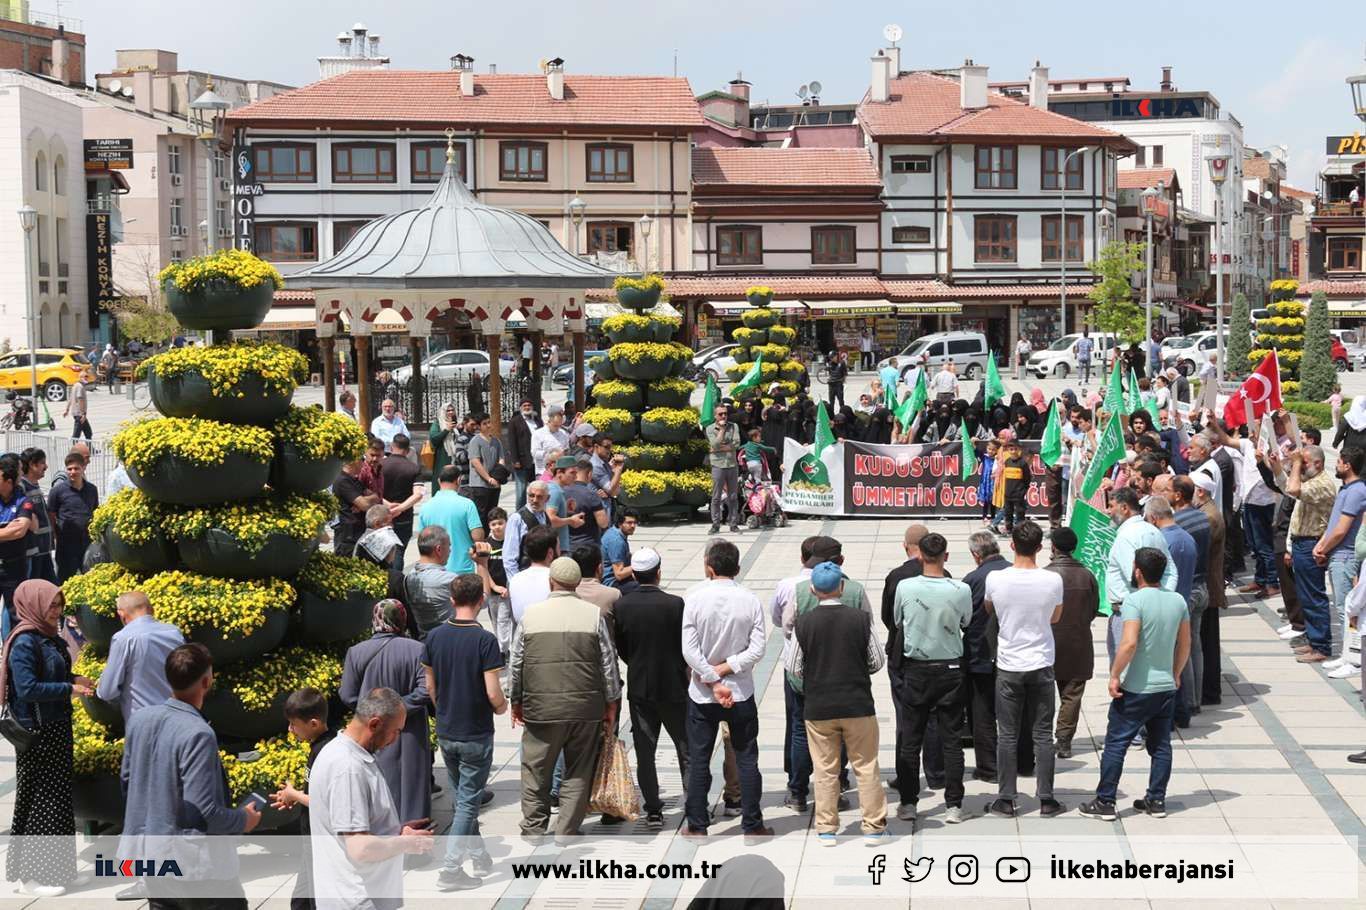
(920, 394)
(906, 411)
(810, 470)
(1095, 537)
(889, 397)
(1114, 395)
(752, 378)
(969, 460)
(994, 390)
(1134, 400)
(824, 437)
(1109, 450)
(707, 416)
(1050, 450)
(1150, 402)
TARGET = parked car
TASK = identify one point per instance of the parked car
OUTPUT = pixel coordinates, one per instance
(563, 376)
(1188, 357)
(1353, 351)
(715, 360)
(58, 368)
(453, 364)
(968, 350)
(1060, 358)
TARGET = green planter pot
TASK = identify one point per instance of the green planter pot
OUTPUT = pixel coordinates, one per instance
(226, 650)
(294, 472)
(220, 554)
(232, 720)
(635, 298)
(667, 399)
(228, 307)
(652, 462)
(742, 355)
(97, 628)
(647, 500)
(620, 430)
(317, 620)
(662, 332)
(748, 337)
(157, 555)
(759, 319)
(689, 458)
(626, 401)
(602, 367)
(189, 394)
(791, 374)
(655, 431)
(182, 482)
(97, 798)
(693, 498)
(762, 301)
(630, 333)
(781, 334)
(643, 370)
(102, 712)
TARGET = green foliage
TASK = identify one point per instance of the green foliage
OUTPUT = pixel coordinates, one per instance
(1239, 343)
(144, 320)
(1311, 413)
(1317, 375)
(1115, 311)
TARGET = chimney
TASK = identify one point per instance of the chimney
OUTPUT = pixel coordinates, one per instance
(359, 31)
(739, 88)
(1167, 80)
(972, 84)
(374, 45)
(894, 55)
(882, 78)
(60, 59)
(554, 78)
(493, 69)
(465, 67)
(344, 44)
(142, 91)
(1038, 87)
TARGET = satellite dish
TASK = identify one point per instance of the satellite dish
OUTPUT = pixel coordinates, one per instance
(115, 86)
(892, 33)
(815, 88)
(802, 92)
(127, 91)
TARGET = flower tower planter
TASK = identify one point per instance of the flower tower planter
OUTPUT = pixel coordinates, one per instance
(1283, 330)
(221, 532)
(762, 336)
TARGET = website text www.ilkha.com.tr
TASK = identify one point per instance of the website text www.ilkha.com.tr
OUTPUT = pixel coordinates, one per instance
(610, 869)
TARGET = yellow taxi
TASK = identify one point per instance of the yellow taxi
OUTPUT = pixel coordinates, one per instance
(58, 368)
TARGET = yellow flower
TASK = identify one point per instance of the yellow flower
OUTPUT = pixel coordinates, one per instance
(99, 588)
(280, 369)
(634, 483)
(233, 608)
(334, 577)
(672, 417)
(235, 267)
(203, 442)
(321, 434)
(649, 282)
(277, 761)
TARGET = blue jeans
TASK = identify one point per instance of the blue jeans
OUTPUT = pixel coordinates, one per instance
(1342, 568)
(703, 722)
(1309, 586)
(467, 766)
(799, 751)
(1257, 525)
(557, 775)
(1130, 714)
(1193, 674)
(521, 479)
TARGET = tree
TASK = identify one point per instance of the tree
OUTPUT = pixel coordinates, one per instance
(1239, 343)
(1317, 375)
(1115, 311)
(145, 320)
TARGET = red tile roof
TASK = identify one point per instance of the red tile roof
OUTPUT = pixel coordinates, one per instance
(927, 106)
(848, 287)
(938, 290)
(1140, 178)
(784, 167)
(378, 97)
(1334, 287)
(1296, 192)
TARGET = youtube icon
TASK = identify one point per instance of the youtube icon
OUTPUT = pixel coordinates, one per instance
(1012, 869)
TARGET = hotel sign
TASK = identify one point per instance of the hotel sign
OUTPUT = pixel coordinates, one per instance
(1347, 145)
(245, 189)
(99, 268)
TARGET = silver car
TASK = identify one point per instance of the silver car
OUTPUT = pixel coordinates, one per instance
(452, 364)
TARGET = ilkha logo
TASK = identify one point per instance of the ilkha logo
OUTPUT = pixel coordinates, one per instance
(1154, 107)
(135, 868)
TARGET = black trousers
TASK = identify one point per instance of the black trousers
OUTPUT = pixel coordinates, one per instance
(933, 688)
(836, 392)
(1056, 492)
(162, 897)
(1015, 510)
(70, 556)
(484, 498)
(1209, 646)
(647, 717)
(404, 529)
(931, 751)
(981, 705)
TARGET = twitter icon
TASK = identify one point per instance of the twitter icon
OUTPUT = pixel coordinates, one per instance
(919, 870)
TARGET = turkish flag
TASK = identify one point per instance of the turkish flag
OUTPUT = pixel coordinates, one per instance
(1262, 388)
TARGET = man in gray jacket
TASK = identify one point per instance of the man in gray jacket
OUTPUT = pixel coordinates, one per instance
(723, 441)
(563, 685)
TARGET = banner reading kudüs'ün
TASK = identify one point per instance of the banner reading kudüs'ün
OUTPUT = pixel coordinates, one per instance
(860, 478)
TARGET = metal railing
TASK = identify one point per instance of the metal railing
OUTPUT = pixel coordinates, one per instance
(470, 394)
(56, 444)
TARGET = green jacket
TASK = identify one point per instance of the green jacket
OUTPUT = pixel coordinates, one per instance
(854, 596)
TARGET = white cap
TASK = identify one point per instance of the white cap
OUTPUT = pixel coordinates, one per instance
(646, 559)
(1204, 482)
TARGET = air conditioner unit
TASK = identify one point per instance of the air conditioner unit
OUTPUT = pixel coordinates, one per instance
(225, 232)
(177, 180)
(177, 231)
(224, 184)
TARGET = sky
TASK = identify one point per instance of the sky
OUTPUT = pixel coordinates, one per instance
(1279, 68)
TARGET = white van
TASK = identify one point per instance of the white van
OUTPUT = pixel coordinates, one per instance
(1059, 359)
(967, 350)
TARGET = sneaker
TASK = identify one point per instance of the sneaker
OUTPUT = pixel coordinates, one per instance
(906, 812)
(1137, 743)
(1334, 663)
(1157, 808)
(1051, 807)
(1283, 629)
(1064, 750)
(692, 833)
(735, 529)
(38, 890)
(456, 880)
(953, 815)
(554, 802)
(1346, 671)
(730, 809)
(843, 804)
(654, 820)
(794, 802)
(826, 840)
(875, 838)
(1357, 758)
(482, 864)
(1001, 808)
(758, 836)
(1289, 633)
(1100, 809)
(714, 529)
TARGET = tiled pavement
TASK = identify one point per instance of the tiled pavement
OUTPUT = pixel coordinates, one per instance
(1270, 760)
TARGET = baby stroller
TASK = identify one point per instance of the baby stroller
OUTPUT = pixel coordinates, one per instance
(759, 497)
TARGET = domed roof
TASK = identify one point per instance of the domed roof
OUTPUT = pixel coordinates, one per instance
(454, 241)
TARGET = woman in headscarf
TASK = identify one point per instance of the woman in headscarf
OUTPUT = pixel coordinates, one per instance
(773, 430)
(1023, 429)
(795, 415)
(809, 409)
(1352, 429)
(880, 426)
(1068, 401)
(391, 660)
(999, 419)
(748, 417)
(442, 435)
(37, 685)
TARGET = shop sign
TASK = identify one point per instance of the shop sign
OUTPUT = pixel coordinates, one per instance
(245, 189)
(1294, 258)
(108, 154)
(835, 311)
(99, 266)
(1354, 144)
(929, 309)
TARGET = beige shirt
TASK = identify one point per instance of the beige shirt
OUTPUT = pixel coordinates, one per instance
(598, 594)
(1313, 506)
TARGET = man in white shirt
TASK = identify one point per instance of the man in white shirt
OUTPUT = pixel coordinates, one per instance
(865, 348)
(1259, 510)
(1027, 600)
(1022, 351)
(388, 424)
(358, 841)
(549, 438)
(724, 637)
(944, 385)
(532, 584)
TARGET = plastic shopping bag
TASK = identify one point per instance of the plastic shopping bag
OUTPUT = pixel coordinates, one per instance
(614, 791)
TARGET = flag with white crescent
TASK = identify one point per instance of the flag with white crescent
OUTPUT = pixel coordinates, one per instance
(1262, 389)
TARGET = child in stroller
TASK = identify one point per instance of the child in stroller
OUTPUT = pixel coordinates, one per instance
(759, 495)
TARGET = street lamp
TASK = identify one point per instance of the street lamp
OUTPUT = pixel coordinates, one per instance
(1150, 197)
(1218, 174)
(576, 208)
(1357, 84)
(205, 113)
(28, 220)
(645, 223)
(1062, 231)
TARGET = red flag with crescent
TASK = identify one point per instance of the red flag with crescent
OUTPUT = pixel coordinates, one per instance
(1262, 388)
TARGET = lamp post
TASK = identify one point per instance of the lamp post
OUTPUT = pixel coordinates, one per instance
(1150, 196)
(645, 223)
(28, 220)
(1218, 174)
(1357, 84)
(1062, 232)
(205, 113)
(576, 208)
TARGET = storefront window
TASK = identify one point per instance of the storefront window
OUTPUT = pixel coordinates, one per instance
(1039, 325)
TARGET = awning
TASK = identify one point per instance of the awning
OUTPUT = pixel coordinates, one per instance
(286, 319)
(847, 309)
(603, 310)
(929, 309)
(386, 321)
(1347, 308)
(736, 307)
(1194, 307)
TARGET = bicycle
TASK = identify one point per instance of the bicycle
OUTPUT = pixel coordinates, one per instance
(142, 397)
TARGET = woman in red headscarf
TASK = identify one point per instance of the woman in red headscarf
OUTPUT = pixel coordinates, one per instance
(37, 686)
